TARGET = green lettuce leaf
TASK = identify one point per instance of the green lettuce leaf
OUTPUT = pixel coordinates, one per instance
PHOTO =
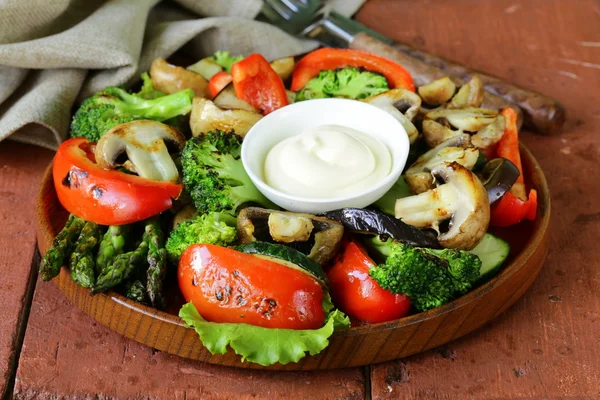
(260, 345)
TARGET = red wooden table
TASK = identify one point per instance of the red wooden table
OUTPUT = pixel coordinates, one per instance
(545, 347)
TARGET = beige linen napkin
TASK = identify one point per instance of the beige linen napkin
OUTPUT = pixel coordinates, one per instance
(55, 53)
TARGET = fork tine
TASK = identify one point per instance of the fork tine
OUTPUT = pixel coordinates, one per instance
(281, 8)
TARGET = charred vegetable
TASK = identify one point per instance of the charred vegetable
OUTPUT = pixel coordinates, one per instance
(280, 253)
(373, 222)
(62, 245)
(498, 176)
(457, 149)
(145, 144)
(460, 199)
(403, 105)
(317, 237)
(206, 117)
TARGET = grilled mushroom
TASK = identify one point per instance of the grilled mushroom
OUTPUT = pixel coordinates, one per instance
(169, 78)
(206, 116)
(469, 95)
(458, 149)
(460, 199)
(437, 92)
(402, 104)
(317, 237)
(144, 143)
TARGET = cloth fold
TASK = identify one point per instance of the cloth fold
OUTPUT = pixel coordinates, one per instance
(54, 54)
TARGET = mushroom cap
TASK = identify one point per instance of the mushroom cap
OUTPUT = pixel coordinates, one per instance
(471, 218)
(457, 148)
(206, 116)
(144, 143)
(402, 104)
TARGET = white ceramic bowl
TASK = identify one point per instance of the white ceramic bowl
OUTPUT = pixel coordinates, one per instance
(294, 119)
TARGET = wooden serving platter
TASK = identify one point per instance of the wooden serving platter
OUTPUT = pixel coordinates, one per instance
(359, 345)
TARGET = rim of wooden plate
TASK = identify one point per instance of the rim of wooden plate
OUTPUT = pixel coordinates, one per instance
(536, 176)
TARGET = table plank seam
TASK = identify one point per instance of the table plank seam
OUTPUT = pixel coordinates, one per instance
(22, 323)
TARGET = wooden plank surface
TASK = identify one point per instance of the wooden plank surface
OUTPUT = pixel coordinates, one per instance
(67, 354)
(21, 168)
(548, 345)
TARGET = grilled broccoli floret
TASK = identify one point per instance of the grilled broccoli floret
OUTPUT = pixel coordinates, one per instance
(212, 228)
(348, 82)
(113, 106)
(225, 60)
(148, 91)
(214, 176)
(429, 277)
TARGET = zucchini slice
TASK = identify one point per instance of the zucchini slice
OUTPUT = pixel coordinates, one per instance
(492, 251)
(286, 254)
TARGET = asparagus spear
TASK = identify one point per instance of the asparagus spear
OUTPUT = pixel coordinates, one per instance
(61, 248)
(112, 244)
(121, 268)
(136, 290)
(157, 264)
(82, 262)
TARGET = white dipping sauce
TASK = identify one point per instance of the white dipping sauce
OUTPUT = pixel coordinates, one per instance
(327, 161)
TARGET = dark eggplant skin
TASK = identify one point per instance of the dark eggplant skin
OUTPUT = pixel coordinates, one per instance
(323, 245)
(498, 175)
(376, 223)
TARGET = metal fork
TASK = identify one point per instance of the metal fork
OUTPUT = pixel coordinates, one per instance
(314, 20)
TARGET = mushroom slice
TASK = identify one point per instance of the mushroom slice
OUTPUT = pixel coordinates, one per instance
(171, 79)
(465, 119)
(145, 144)
(402, 104)
(461, 199)
(206, 117)
(289, 228)
(227, 99)
(437, 92)
(205, 67)
(469, 95)
(284, 67)
(435, 133)
(458, 149)
(491, 134)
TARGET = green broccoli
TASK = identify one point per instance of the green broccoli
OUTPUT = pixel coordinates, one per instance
(429, 277)
(348, 82)
(212, 228)
(214, 176)
(225, 60)
(148, 91)
(113, 106)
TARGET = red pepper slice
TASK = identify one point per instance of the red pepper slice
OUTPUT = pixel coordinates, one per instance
(508, 147)
(106, 197)
(226, 285)
(256, 82)
(329, 59)
(218, 83)
(357, 294)
(514, 206)
(511, 210)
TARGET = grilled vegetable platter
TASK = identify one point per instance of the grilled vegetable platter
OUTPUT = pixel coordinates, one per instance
(160, 203)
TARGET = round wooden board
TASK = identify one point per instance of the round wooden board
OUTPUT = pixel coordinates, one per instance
(359, 345)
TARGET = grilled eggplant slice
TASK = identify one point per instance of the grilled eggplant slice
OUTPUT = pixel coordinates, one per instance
(376, 223)
(317, 237)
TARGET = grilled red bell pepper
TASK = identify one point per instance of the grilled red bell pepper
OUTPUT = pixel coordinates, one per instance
(515, 205)
(357, 294)
(218, 83)
(106, 197)
(329, 59)
(256, 82)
